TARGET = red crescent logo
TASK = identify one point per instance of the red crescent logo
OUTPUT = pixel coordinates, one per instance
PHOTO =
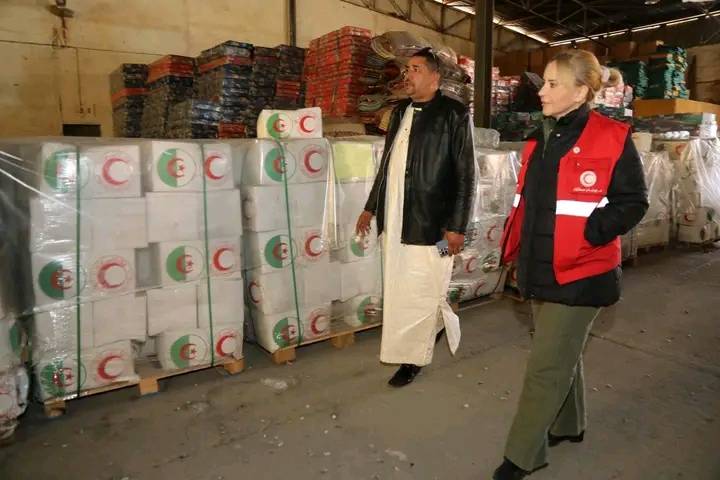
(221, 341)
(471, 265)
(106, 171)
(314, 322)
(308, 246)
(308, 163)
(491, 232)
(477, 289)
(102, 372)
(102, 274)
(208, 167)
(303, 127)
(216, 259)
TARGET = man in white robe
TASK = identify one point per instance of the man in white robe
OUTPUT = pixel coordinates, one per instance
(421, 196)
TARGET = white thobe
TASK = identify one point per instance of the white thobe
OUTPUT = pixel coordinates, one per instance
(415, 277)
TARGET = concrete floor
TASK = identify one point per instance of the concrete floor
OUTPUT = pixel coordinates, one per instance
(653, 376)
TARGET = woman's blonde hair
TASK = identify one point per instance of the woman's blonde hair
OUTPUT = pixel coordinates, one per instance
(587, 71)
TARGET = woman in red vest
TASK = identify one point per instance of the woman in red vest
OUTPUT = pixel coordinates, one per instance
(580, 187)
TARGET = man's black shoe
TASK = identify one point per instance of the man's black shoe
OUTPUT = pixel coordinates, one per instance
(405, 375)
(555, 439)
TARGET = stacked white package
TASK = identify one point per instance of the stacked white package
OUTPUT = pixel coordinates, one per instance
(655, 227)
(699, 191)
(111, 223)
(183, 348)
(113, 170)
(218, 166)
(265, 207)
(58, 277)
(101, 322)
(172, 308)
(186, 216)
(477, 271)
(280, 330)
(60, 374)
(221, 316)
(285, 124)
(359, 311)
(360, 278)
(12, 342)
(170, 166)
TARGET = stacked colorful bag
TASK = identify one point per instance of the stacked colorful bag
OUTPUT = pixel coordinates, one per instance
(170, 81)
(127, 93)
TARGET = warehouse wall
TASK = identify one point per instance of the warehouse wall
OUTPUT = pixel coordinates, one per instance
(49, 79)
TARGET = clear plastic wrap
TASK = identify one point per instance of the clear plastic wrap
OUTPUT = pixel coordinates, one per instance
(147, 231)
(654, 228)
(295, 267)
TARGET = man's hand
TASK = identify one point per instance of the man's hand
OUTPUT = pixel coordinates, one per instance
(455, 242)
(363, 223)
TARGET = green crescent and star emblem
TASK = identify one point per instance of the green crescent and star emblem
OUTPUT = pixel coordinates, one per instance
(60, 171)
(360, 246)
(176, 168)
(286, 332)
(188, 350)
(278, 125)
(58, 380)
(184, 263)
(57, 281)
(278, 253)
(366, 308)
(278, 163)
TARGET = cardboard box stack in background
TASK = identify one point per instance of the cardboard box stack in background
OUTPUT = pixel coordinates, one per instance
(334, 66)
(170, 81)
(359, 258)
(127, 94)
(114, 237)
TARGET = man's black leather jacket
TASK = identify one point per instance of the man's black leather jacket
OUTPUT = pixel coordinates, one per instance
(440, 172)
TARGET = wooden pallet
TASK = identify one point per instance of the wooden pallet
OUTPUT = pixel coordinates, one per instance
(340, 336)
(149, 374)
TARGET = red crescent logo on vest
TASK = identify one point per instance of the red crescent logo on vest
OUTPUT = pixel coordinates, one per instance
(103, 271)
(188, 351)
(303, 125)
(309, 246)
(184, 264)
(107, 175)
(208, 167)
(221, 342)
(588, 178)
(251, 291)
(102, 367)
(176, 167)
(217, 260)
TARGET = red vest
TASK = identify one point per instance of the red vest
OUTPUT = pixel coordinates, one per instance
(583, 180)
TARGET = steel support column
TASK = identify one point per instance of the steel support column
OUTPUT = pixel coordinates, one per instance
(484, 10)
